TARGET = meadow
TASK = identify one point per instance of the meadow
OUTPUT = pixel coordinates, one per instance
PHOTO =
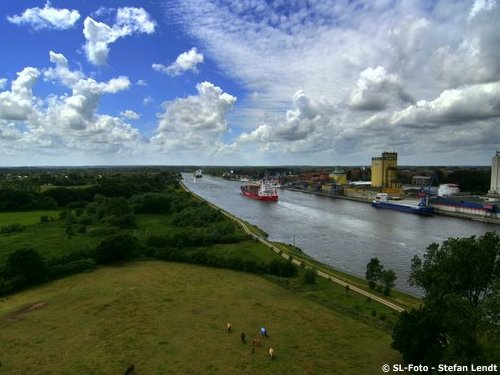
(170, 318)
(52, 242)
(26, 217)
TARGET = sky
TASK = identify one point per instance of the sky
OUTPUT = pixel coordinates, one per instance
(255, 82)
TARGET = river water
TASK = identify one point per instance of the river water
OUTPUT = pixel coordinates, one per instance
(341, 233)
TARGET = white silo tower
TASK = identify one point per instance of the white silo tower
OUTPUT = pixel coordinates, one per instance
(495, 174)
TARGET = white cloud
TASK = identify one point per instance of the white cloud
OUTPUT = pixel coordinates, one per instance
(99, 35)
(376, 89)
(18, 103)
(61, 71)
(130, 115)
(455, 107)
(148, 100)
(133, 21)
(141, 82)
(64, 124)
(3, 82)
(308, 128)
(184, 62)
(46, 18)
(481, 5)
(195, 122)
(369, 59)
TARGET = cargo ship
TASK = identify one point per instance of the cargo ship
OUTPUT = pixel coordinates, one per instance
(381, 201)
(261, 191)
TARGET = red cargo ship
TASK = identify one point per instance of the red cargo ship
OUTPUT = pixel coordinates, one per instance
(262, 192)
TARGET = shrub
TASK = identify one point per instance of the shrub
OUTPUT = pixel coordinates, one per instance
(309, 276)
(101, 231)
(115, 249)
(16, 227)
(25, 267)
(71, 268)
(281, 268)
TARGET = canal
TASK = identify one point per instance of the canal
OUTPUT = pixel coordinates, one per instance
(341, 233)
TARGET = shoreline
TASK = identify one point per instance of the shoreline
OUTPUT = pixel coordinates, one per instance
(306, 263)
(437, 211)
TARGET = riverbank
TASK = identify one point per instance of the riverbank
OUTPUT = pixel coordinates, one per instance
(437, 211)
(399, 301)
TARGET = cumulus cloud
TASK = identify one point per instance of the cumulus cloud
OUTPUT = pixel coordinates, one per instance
(477, 102)
(375, 89)
(18, 103)
(61, 71)
(64, 123)
(130, 115)
(99, 35)
(3, 82)
(184, 62)
(309, 127)
(195, 122)
(389, 71)
(46, 18)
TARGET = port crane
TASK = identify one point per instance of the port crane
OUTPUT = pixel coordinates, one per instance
(425, 191)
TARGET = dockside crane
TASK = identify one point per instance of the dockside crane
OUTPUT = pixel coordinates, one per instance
(425, 191)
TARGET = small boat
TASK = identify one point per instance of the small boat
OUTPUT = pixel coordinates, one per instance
(381, 201)
(198, 174)
(261, 191)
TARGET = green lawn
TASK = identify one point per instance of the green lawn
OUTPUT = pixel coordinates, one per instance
(170, 318)
(25, 218)
(49, 239)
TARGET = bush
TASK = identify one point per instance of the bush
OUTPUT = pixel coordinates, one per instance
(309, 276)
(25, 267)
(281, 268)
(101, 231)
(115, 249)
(5, 287)
(71, 268)
(16, 227)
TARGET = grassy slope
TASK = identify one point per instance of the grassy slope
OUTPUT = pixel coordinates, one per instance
(142, 313)
(402, 299)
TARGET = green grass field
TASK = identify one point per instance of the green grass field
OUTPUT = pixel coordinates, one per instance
(170, 318)
(49, 239)
(25, 218)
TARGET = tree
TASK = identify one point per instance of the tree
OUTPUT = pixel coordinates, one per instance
(378, 278)
(419, 337)
(388, 278)
(461, 281)
(115, 249)
(373, 272)
(25, 267)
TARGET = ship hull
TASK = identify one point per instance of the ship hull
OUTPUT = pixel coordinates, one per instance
(252, 195)
(425, 211)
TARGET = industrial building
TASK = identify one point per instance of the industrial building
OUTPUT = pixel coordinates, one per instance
(338, 176)
(495, 175)
(384, 170)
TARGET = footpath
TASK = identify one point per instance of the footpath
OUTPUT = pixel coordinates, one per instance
(295, 261)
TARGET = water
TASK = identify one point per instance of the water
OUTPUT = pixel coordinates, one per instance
(343, 234)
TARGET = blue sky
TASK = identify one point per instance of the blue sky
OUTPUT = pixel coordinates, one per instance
(214, 82)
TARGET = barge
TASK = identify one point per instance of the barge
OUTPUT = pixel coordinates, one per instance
(381, 201)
